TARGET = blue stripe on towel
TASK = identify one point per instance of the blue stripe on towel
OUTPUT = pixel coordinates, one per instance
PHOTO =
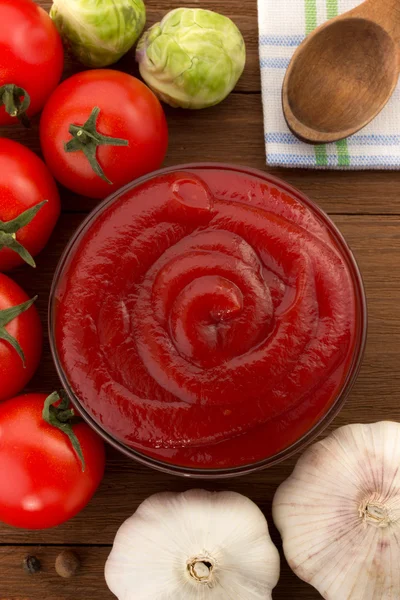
(274, 63)
(281, 138)
(375, 140)
(375, 161)
(298, 160)
(358, 140)
(281, 40)
(309, 161)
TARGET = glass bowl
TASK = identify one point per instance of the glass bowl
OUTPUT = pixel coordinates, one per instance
(315, 430)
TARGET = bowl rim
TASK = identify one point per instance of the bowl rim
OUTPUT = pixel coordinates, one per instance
(317, 428)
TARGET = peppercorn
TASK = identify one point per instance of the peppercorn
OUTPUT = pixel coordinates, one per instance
(67, 563)
(32, 564)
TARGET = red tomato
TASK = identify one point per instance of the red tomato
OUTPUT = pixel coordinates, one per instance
(31, 55)
(26, 331)
(25, 182)
(128, 111)
(42, 483)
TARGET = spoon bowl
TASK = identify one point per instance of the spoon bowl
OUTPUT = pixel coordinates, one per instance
(341, 77)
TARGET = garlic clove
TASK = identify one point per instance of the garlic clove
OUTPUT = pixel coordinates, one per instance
(339, 514)
(197, 545)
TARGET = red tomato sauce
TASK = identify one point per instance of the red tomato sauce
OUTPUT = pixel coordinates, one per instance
(207, 318)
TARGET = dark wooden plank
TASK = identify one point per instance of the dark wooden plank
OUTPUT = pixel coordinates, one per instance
(89, 581)
(233, 132)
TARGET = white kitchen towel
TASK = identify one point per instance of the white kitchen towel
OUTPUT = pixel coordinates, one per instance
(283, 24)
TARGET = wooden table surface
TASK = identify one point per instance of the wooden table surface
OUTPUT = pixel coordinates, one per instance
(366, 208)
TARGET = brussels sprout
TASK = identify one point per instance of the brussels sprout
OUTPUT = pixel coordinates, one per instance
(193, 58)
(99, 32)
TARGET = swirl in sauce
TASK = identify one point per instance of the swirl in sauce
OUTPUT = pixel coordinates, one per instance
(207, 318)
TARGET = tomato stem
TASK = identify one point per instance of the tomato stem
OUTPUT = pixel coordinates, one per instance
(9, 229)
(16, 102)
(61, 417)
(86, 139)
(6, 316)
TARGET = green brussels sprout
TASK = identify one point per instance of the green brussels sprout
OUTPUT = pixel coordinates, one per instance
(193, 58)
(99, 32)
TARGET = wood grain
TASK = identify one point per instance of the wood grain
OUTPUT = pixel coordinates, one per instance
(233, 132)
(366, 207)
(89, 581)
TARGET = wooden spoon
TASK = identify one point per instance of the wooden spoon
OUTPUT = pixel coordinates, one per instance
(344, 73)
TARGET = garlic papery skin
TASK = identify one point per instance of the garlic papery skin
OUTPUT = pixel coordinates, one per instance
(197, 545)
(339, 514)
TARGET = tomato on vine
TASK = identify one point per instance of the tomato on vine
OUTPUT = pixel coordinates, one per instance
(31, 60)
(29, 205)
(54, 461)
(20, 338)
(100, 130)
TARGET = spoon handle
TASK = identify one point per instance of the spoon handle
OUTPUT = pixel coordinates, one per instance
(385, 13)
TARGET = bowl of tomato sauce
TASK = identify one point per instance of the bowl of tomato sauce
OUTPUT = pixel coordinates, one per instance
(208, 320)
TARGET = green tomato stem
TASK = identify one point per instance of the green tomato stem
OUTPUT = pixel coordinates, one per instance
(10, 98)
(6, 316)
(62, 417)
(9, 229)
(86, 139)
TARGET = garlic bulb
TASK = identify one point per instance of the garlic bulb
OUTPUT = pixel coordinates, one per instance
(339, 514)
(197, 545)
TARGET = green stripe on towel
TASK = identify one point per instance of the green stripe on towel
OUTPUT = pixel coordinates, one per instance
(332, 8)
(311, 15)
(321, 156)
(343, 153)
